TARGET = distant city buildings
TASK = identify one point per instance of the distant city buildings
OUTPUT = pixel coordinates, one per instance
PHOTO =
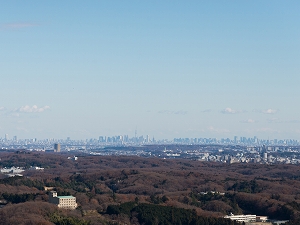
(125, 140)
(15, 138)
(225, 150)
(236, 141)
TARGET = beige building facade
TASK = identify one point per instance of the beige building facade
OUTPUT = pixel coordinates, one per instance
(66, 202)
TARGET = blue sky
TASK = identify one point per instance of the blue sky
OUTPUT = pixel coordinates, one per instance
(84, 69)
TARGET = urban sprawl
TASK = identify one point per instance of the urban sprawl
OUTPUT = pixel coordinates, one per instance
(225, 150)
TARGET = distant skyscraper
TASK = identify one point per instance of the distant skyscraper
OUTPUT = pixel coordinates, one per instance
(265, 156)
(235, 139)
(101, 139)
(6, 137)
(57, 147)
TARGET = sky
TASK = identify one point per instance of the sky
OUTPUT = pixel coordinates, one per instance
(167, 69)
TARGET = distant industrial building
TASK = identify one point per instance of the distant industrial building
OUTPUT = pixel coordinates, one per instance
(66, 202)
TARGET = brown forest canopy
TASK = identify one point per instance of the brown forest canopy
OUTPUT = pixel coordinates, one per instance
(210, 189)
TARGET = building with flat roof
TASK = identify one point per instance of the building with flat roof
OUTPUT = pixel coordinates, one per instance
(242, 218)
(66, 202)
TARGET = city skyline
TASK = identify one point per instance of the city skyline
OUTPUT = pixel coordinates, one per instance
(128, 140)
(167, 69)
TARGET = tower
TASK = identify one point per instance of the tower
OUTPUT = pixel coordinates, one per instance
(57, 147)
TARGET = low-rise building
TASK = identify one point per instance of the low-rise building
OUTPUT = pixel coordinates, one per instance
(261, 218)
(12, 170)
(66, 202)
(36, 168)
(242, 218)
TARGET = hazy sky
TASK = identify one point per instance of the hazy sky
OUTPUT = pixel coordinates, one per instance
(83, 69)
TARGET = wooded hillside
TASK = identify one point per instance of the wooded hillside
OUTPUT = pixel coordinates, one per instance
(102, 185)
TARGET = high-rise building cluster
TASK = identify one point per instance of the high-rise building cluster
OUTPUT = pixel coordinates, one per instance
(236, 141)
(125, 140)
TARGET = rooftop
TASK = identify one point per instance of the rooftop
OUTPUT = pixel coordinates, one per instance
(70, 196)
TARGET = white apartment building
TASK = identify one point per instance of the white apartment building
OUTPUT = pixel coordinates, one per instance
(66, 202)
(242, 218)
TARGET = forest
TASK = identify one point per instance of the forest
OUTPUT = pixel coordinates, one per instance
(135, 190)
